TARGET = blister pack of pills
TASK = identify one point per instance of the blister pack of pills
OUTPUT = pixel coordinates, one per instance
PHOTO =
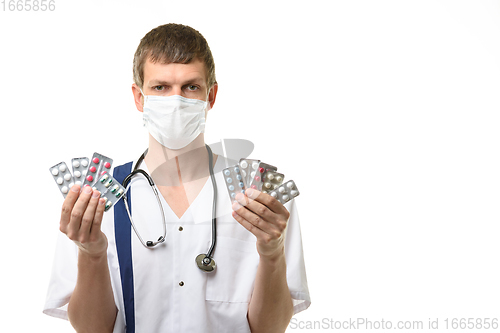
(80, 166)
(260, 176)
(247, 168)
(234, 181)
(111, 190)
(285, 192)
(85, 172)
(99, 165)
(270, 181)
(265, 178)
(63, 177)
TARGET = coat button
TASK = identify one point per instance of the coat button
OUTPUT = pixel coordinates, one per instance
(181, 283)
(181, 228)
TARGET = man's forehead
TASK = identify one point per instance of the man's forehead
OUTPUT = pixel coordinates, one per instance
(160, 72)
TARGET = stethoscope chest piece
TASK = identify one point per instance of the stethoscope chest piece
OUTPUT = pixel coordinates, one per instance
(205, 263)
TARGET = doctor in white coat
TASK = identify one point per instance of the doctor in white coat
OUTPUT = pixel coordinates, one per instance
(260, 280)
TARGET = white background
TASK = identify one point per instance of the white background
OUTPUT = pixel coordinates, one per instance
(385, 113)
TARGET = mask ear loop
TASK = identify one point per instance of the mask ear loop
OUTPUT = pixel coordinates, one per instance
(143, 96)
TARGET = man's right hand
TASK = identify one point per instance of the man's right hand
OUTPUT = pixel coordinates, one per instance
(81, 219)
(91, 307)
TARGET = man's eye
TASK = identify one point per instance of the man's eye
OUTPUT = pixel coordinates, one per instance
(192, 88)
(158, 88)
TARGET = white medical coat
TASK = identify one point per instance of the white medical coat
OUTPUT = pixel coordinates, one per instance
(171, 293)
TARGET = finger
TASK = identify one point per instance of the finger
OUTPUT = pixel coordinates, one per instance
(270, 202)
(96, 225)
(256, 207)
(77, 213)
(67, 207)
(88, 216)
(249, 226)
(253, 218)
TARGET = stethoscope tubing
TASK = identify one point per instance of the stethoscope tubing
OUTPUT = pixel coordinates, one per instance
(204, 261)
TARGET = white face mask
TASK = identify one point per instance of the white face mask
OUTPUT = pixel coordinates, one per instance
(174, 121)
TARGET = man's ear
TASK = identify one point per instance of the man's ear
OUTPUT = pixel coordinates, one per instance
(138, 99)
(212, 94)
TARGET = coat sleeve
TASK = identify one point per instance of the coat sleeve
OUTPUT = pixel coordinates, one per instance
(63, 278)
(296, 270)
(65, 272)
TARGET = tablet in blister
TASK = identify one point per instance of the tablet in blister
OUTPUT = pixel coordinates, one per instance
(111, 190)
(98, 165)
(247, 167)
(285, 192)
(80, 166)
(234, 181)
(63, 177)
(270, 180)
(266, 172)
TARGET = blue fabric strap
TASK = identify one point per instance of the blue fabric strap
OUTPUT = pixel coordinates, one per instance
(123, 234)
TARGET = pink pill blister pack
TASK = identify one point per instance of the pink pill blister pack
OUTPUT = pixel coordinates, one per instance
(99, 165)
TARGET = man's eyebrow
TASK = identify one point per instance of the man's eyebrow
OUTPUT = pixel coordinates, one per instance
(186, 81)
(158, 83)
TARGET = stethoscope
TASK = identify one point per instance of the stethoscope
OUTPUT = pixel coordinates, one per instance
(205, 262)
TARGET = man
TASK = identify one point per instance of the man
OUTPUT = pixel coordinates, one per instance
(259, 282)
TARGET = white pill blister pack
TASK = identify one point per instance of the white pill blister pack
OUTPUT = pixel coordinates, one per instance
(285, 192)
(111, 190)
(80, 165)
(63, 177)
(247, 169)
(261, 176)
(271, 180)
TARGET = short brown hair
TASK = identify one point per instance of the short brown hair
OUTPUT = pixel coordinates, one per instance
(173, 43)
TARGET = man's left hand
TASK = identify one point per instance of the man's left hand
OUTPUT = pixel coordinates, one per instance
(266, 218)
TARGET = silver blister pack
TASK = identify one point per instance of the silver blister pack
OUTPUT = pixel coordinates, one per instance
(234, 181)
(111, 190)
(99, 164)
(80, 166)
(269, 181)
(285, 192)
(247, 167)
(63, 177)
(265, 172)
